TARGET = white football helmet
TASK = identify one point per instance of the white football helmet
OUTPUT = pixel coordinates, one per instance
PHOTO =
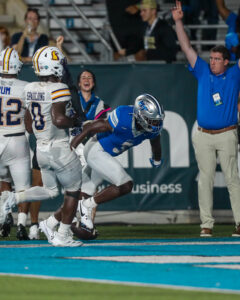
(48, 61)
(149, 113)
(10, 62)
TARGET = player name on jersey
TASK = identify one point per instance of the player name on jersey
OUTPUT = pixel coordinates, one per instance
(5, 90)
(36, 96)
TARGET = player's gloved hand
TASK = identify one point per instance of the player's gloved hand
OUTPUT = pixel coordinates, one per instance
(76, 131)
(77, 122)
(155, 163)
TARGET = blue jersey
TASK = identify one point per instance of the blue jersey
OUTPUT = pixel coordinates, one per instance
(124, 134)
(210, 114)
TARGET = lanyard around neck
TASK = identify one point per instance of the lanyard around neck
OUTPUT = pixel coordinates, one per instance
(149, 30)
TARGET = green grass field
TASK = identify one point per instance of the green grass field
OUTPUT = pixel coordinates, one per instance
(118, 231)
(34, 289)
(13, 288)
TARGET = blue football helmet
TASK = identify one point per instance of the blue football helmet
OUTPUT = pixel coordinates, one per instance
(149, 113)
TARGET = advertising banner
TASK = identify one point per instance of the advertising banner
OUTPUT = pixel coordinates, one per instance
(173, 186)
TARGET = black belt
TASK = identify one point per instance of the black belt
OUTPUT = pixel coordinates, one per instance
(14, 134)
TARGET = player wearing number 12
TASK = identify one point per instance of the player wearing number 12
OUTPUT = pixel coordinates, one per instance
(47, 102)
(14, 148)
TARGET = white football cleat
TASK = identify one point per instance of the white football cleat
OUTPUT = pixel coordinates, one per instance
(86, 215)
(7, 201)
(49, 233)
(60, 240)
(34, 232)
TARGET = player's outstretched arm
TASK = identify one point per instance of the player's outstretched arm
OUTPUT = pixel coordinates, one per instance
(177, 14)
(91, 128)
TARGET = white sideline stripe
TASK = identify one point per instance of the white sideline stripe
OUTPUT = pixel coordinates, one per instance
(163, 259)
(165, 286)
(231, 267)
(116, 244)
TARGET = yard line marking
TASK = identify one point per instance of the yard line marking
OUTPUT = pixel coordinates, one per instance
(164, 286)
(163, 259)
(231, 267)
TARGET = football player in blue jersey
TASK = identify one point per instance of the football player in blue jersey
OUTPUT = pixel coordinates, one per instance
(126, 127)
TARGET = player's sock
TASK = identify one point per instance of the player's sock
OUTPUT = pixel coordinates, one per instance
(64, 229)
(52, 222)
(22, 219)
(89, 202)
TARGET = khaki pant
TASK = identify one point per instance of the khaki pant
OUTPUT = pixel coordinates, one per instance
(207, 147)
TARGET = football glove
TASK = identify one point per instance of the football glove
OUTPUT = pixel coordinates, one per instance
(77, 122)
(155, 163)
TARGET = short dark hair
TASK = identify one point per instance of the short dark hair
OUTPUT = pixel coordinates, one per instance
(93, 75)
(223, 50)
(35, 10)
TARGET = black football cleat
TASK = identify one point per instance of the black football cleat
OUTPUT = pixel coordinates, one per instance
(5, 228)
(22, 233)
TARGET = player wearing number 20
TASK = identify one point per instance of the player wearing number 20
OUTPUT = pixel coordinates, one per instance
(14, 148)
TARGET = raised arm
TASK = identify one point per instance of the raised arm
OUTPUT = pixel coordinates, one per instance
(183, 39)
(222, 9)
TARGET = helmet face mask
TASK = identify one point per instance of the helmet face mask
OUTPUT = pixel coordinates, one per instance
(48, 61)
(9, 62)
(148, 113)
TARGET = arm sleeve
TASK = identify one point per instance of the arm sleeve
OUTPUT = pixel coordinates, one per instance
(231, 22)
(231, 40)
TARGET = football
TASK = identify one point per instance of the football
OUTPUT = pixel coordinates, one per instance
(83, 233)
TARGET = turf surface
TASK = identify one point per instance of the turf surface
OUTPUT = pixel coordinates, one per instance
(13, 288)
(34, 289)
(121, 231)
